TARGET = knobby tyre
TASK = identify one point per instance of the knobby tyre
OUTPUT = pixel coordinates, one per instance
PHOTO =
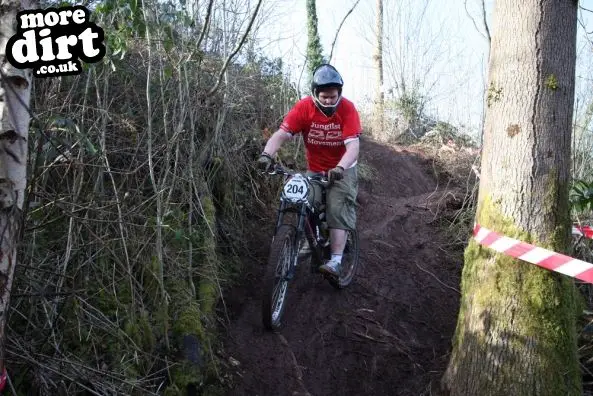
(350, 262)
(281, 260)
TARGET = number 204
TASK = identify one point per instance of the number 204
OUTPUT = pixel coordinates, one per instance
(295, 189)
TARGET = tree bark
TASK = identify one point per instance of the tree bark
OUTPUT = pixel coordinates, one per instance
(314, 49)
(516, 330)
(379, 108)
(15, 91)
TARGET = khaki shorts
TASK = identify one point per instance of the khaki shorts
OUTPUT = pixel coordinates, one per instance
(341, 200)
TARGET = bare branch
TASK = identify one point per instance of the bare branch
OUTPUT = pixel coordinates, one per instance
(206, 23)
(585, 29)
(235, 51)
(580, 19)
(487, 35)
(340, 27)
(485, 21)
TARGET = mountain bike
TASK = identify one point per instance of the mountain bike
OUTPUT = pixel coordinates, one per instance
(306, 225)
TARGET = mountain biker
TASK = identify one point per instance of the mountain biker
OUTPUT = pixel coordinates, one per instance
(330, 125)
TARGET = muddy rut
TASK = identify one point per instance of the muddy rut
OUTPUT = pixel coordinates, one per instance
(389, 333)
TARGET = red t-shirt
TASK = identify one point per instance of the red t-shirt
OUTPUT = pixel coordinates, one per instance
(324, 136)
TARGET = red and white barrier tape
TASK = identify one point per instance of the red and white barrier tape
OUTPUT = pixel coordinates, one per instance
(535, 255)
(586, 231)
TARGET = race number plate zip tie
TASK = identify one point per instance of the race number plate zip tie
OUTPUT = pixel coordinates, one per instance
(3, 378)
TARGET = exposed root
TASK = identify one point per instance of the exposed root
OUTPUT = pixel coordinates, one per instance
(437, 279)
(297, 368)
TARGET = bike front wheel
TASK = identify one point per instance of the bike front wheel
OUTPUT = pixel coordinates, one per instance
(279, 272)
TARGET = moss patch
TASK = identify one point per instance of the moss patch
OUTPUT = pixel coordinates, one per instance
(512, 314)
(552, 82)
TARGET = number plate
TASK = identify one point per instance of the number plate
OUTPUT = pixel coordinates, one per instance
(296, 189)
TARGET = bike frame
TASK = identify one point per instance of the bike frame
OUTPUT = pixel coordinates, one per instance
(308, 223)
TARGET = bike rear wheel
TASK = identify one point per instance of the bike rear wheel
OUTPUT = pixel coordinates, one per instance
(350, 262)
(281, 262)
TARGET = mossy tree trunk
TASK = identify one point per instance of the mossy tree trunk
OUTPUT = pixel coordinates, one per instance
(314, 48)
(379, 108)
(516, 331)
(15, 91)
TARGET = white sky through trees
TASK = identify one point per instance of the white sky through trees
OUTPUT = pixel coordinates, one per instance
(442, 46)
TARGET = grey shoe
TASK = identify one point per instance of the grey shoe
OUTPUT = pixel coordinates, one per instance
(331, 267)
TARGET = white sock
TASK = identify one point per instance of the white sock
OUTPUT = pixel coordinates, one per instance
(337, 257)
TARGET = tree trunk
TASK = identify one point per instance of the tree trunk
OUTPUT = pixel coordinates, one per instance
(314, 49)
(379, 108)
(516, 330)
(15, 90)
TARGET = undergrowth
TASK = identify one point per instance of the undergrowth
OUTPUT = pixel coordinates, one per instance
(141, 184)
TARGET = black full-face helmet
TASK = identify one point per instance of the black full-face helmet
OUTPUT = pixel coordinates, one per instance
(326, 76)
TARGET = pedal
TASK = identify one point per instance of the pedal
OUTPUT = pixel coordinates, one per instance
(329, 275)
(303, 255)
(305, 250)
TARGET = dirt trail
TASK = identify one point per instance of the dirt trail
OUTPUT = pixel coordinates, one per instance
(389, 333)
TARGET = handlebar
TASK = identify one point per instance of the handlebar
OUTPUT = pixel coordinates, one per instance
(278, 169)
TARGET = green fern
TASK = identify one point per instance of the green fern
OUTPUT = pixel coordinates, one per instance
(581, 196)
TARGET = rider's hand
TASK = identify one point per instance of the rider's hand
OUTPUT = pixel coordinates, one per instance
(335, 174)
(264, 162)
